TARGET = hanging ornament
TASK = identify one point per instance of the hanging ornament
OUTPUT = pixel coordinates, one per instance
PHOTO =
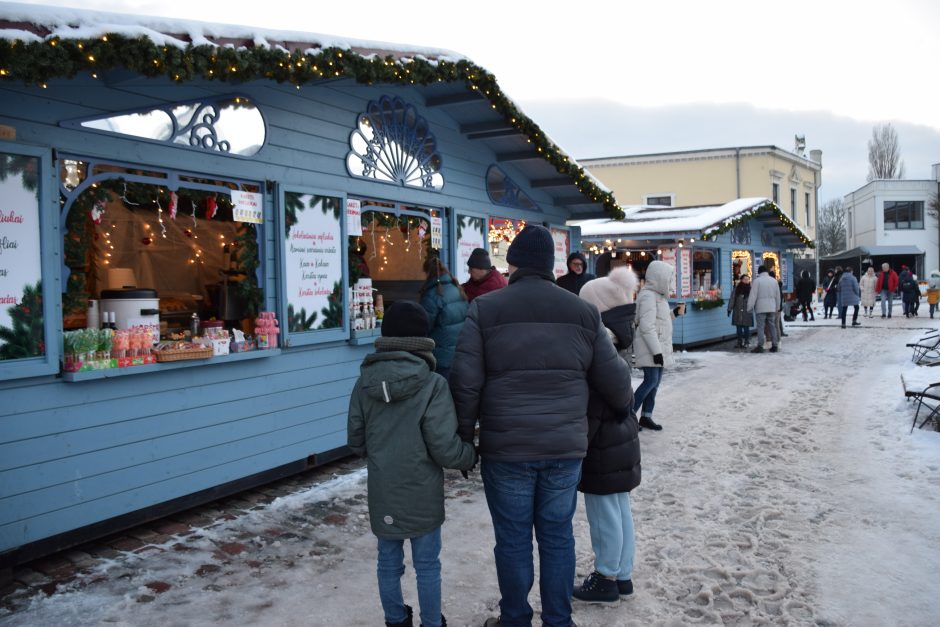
(97, 212)
(188, 233)
(171, 207)
(146, 241)
(421, 230)
(192, 205)
(160, 217)
(211, 205)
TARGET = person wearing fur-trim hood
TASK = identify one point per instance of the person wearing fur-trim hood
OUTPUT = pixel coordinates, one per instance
(652, 345)
(612, 465)
(577, 273)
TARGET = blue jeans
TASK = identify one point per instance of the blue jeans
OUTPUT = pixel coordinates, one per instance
(612, 533)
(744, 333)
(425, 552)
(522, 495)
(645, 395)
(887, 297)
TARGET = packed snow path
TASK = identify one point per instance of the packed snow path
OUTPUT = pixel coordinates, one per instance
(784, 489)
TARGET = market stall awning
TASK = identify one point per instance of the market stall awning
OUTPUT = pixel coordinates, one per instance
(648, 222)
(874, 251)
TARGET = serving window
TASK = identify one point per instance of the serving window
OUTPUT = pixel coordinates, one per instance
(191, 240)
(704, 270)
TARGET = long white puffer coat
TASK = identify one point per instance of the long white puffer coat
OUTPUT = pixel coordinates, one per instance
(654, 317)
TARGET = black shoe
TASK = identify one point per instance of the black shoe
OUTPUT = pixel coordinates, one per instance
(625, 587)
(757, 349)
(405, 623)
(773, 349)
(843, 325)
(443, 622)
(856, 324)
(492, 622)
(646, 421)
(597, 589)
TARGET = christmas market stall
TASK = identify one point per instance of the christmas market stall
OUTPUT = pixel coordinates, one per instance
(710, 247)
(200, 227)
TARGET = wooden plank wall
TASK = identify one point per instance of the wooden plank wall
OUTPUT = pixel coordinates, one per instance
(73, 454)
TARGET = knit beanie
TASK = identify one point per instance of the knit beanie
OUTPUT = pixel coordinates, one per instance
(613, 290)
(405, 318)
(532, 248)
(479, 259)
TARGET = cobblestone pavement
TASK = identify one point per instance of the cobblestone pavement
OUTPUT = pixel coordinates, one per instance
(47, 575)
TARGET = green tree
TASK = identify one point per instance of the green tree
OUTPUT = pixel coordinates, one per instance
(25, 337)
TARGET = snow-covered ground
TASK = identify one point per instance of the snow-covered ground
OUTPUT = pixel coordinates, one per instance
(785, 489)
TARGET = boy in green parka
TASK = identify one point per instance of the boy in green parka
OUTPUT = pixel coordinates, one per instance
(402, 420)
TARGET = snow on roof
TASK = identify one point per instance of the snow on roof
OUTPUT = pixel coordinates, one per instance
(66, 23)
(711, 219)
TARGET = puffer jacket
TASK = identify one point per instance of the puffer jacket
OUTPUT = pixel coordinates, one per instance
(401, 418)
(765, 294)
(446, 313)
(492, 281)
(654, 317)
(737, 306)
(612, 463)
(525, 358)
(850, 293)
(867, 285)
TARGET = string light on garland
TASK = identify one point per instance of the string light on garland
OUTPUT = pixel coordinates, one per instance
(36, 64)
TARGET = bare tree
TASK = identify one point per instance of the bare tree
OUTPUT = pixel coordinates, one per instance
(884, 154)
(830, 227)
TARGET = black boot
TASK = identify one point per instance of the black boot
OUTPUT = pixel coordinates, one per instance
(647, 422)
(443, 622)
(405, 623)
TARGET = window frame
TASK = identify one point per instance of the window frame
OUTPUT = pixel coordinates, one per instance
(912, 224)
(715, 270)
(50, 243)
(648, 197)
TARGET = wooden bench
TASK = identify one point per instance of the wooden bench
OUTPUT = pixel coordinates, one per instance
(926, 395)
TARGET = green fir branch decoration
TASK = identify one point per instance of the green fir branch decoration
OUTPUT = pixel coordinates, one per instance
(39, 62)
(25, 337)
(715, 230)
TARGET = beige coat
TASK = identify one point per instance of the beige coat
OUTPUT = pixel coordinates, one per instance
(654, 317)
(867, 284)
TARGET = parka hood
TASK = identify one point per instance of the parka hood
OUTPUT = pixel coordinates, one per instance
(393, 376)
(659, 276)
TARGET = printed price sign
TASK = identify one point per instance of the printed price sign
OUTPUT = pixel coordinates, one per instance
(353, 217)
(437, 233)
(247, 207)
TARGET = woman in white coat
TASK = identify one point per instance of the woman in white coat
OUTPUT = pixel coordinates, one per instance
(652, 343)
(869, 297)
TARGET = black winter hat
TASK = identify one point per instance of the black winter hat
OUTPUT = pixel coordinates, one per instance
(533, 248)
(479, 259)
(405, 318)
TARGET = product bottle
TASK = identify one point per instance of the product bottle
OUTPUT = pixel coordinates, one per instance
(194, 326)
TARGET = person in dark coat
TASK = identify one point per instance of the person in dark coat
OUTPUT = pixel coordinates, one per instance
(402, 420)
(741, 318)
(577, 273)
(611, 468)
(910, 292)
(526, 359)
(484, 278)
(831, 287)
(805, 290)
(446, 305)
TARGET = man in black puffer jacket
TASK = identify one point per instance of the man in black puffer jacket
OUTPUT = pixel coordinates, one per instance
(525, 359)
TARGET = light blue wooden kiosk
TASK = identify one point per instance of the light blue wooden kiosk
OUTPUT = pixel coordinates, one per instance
(228, 171)
(710, 247)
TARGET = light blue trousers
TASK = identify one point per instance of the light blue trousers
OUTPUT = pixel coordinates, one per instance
(612, 533)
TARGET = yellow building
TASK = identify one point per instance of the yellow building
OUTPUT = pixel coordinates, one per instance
(716, 175)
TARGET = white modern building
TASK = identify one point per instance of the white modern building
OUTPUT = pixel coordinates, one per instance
(892, 220)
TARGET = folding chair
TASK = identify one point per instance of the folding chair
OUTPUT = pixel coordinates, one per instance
(927, 347)
(922, 394)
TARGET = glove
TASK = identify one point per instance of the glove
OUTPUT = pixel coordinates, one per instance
(658, 359)
(729, 313)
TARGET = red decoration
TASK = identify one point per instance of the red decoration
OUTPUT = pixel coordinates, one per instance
(174, 201)
(147, 241)
(211, 205)
(188, 233)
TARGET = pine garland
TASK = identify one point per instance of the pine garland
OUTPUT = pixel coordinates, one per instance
(39, 62)
(769, 206)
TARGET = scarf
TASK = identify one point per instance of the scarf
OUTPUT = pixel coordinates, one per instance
(420, 346)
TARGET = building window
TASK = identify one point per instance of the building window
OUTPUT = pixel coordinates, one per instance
(661, 200)
(393, 143)
(704, 270)
(904, 214)
(230, 125)
(775, 194)
(808, 212)
(793, 203)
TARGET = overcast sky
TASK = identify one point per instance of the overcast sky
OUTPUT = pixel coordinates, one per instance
(689, 70)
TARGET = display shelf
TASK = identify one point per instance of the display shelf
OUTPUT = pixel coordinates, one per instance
(91, 375)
